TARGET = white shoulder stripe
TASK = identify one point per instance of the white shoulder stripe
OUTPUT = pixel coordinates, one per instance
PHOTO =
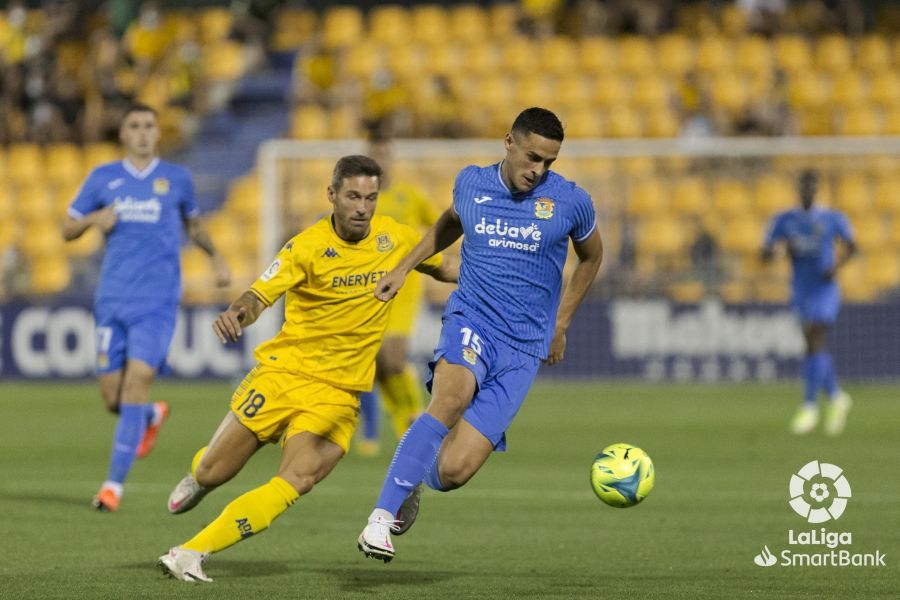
(75, 214)
(588, 234)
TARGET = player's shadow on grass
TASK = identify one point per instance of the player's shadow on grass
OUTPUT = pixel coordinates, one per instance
(364, 580)
(26, 498)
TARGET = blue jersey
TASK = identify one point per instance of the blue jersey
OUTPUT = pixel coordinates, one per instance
(513, 253)
(810, 236)
(142, 259)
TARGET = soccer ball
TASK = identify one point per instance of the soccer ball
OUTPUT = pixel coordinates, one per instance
(622, 475)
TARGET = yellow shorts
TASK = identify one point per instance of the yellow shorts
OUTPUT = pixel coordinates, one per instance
(277, 404)
(405, 306)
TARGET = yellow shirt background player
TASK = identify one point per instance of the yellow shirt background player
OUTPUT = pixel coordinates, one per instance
(304, 390)
(396, 377)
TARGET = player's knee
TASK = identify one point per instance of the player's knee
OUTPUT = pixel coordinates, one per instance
(302, 482)
(110, 401)
(210, 476)
(455, 473)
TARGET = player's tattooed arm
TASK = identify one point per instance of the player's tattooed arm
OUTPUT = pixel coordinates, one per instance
(200, 236)
(590, 255)
(440, 236)
(104, 219)
(242, 313)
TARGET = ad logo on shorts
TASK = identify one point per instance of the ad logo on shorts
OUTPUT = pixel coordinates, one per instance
(504, 235)
(469, 356)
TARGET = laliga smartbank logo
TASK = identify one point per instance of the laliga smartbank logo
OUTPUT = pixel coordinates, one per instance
(819, 493)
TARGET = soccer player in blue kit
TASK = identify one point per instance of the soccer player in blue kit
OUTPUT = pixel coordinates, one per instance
(140, 204)
(810, 232)
(516, 217)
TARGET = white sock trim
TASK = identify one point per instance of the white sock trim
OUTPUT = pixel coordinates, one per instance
(380, 512)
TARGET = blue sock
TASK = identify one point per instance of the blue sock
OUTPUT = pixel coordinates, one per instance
(829, 379)
(130, 428)
(370, 413)
(810, 379)
(433, 478)
(414, 457)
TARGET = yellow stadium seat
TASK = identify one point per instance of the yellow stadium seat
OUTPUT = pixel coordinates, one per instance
(773, 194)
(445, 59)
(223, 61)
(494, 91)
(742, 235)
(729, 91)
(887, 194)
(597, 54)
(612, 89)
(49, 276)
(851, 193)
(24, 163)
(662, 123)
(833, 53)
(583, 122)
(735, 292)
(661, 235)
(215, 25)
(753, 55)
(430, 23)
(690, 195)
(873, 53)
(861, 120)
(850, 89)
(63, 163)
(90, 242)
(344, 123)
(792, 54)
(855, 286)
(293, 28)
(675, 54)
(389, 24)
(808, 90)
(871, 234)
(407, 60)
(883, 269)
(572, 91)
(342, 26)
(651, 92)
(885, 88)
(481, 58)
(364, 58)
(649, 198)
(518, 55)
(815, 121)
(96, 154)
(558, 54)
(503, 18)
(714, 54)
(894, 231)
(309, 122)
(635, 55)
(470, 24)
(731, 197)
(42, 239)
(686, 292)
(623, 122)
(34, 202)
(892, 121)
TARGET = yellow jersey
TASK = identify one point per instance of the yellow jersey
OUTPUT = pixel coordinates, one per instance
(333, 324)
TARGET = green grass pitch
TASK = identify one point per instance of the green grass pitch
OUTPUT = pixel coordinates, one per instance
(527, 526)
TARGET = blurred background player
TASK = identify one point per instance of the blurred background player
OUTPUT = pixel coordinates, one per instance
(505, 317)
(304, 390)
(397, 379)
(809, 232)
(140, 204)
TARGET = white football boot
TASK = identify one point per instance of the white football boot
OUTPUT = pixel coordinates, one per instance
(183, 564)
(375, 539)
(836, 415)
(186, 495)
(408, 511)
(805, 420)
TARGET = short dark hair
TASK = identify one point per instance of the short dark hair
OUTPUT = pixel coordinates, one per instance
(540, 121)
(808, 177)
(138, 107)
(354, 166)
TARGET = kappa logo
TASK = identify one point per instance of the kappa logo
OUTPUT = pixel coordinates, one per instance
(330, 253)
(482, 199)
(813, 486)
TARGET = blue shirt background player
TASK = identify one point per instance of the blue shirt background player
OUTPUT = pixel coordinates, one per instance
(503, 320)
(811, 235)
(141, 204)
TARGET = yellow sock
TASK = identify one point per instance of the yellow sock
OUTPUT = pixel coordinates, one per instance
(402, 399)
(245, 516)
(196, 460)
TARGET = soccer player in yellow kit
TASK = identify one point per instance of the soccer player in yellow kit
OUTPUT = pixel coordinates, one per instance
(304, 390)
(396, 377)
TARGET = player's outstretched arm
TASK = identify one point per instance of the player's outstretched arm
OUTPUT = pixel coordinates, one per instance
(447, 272)
(242, 313)
(198, 234)
(444, 232)
(590, 255)
(104, 219)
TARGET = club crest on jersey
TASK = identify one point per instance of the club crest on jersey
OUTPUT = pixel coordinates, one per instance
(330, 253)
(469, 356)
(103, 360)
(383, 242)
(161, 186)
(543, 208)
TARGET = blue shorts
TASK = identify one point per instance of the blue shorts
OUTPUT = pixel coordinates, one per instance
(818, 305)
(128, 331)
(504, 375)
